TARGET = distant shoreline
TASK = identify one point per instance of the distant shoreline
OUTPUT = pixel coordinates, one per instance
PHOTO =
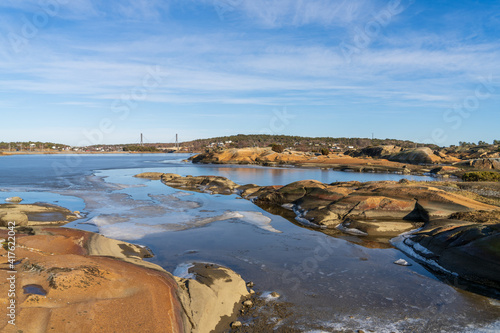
(7, 153)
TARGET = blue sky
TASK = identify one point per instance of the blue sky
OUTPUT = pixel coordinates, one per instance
(85, 71)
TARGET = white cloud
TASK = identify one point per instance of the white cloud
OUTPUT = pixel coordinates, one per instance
(279, 13)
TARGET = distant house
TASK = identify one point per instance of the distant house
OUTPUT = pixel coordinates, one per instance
(350, 147)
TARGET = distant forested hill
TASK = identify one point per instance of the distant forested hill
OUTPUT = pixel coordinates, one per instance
(297, 142)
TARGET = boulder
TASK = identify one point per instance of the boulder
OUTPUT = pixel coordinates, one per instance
(19, 219)
(14, 199)
(213, 297)
(445, 170)
(422, 155)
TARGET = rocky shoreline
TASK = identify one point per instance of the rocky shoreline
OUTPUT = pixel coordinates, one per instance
(452, 225)
(70, 280)
(382, 159)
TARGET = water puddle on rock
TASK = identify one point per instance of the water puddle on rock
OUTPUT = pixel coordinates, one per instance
(34, 289)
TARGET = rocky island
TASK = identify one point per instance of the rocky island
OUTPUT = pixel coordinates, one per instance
(389, 159)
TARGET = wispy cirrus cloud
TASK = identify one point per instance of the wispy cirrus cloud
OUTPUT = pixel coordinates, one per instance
(295, 13)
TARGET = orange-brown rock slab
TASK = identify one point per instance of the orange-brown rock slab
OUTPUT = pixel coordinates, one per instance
(83, 293)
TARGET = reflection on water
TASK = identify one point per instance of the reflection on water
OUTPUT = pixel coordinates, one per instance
(282, 176)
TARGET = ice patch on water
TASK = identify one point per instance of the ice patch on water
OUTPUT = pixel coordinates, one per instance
(421, 249)
(182, 194)
(255, 218)
(494, 302)
(351, 231)
(128, 231)
(103, 220)
(258, 219)
(302, 220)
(355, 323)
(182, 271)
(288, 206)
(227, 215)
(120, 227)
(172, 202)
(402, 262)
(490, 328)
(407, 246)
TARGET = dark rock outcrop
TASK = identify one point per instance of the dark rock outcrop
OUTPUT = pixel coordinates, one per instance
(377, 151)
(470, 251)
(483, 163)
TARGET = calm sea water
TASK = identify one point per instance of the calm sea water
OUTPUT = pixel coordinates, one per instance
(333, 284)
